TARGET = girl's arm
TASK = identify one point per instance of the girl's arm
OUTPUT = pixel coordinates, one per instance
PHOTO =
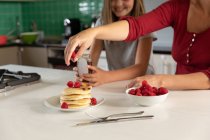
(96, 51)
(139, 68)
(142, 59)
(141, 63)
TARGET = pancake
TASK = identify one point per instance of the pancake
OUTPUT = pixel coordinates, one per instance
(77, 97)
(79, 102)
(84, 89)
(72, 106)
(69, 91)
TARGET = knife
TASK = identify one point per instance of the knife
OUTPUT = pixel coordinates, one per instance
(115, 120)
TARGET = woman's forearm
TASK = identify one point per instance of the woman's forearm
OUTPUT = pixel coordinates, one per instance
(126, 73)
(187, 81)
(116, 31)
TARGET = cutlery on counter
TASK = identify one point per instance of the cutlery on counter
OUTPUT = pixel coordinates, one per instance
(117, 118)
(121, 115)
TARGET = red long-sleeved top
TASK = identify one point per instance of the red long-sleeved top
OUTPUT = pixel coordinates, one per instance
(190, 50)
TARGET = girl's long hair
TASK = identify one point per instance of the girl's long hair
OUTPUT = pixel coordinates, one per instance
(109, 17)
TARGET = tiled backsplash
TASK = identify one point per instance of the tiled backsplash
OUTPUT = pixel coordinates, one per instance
(9, 12)
(48, 15)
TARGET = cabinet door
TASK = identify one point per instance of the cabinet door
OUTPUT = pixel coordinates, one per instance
(9, 55)
(34, 56)
(164, 64)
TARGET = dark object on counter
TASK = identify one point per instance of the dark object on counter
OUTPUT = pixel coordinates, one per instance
(9, 80)
(72, 26)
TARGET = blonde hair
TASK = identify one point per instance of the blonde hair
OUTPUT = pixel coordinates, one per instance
(109, 17)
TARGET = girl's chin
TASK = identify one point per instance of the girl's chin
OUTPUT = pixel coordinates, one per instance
(120, 15)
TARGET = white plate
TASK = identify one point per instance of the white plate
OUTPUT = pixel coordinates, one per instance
(54, 103)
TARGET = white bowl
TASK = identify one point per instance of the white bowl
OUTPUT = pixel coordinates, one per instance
(146, 100)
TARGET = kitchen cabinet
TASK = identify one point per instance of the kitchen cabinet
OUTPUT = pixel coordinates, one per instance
(34, 56)
(9, 55)
(55, 56)
(164, 64)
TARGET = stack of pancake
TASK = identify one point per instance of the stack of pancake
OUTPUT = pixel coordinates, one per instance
(76, 97)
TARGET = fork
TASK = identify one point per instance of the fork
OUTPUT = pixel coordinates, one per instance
(121, 115)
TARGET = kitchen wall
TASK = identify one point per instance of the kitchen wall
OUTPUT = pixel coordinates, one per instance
(48, 14)
(9, 12)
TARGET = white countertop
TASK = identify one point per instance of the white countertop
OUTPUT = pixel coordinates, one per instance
(183, 116)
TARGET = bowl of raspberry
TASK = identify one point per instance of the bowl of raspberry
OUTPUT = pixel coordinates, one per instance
(146, 95)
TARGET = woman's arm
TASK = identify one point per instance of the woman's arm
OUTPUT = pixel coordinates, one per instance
(129, 29)
(96, 51)
(175, 82)
(115, 31)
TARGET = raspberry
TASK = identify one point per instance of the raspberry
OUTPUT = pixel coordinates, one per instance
(155, 90)
(145, 92)
(151, 94)
(70, 84)
(132, 92)
(144, 83)
(162, 91)
(64, 105)
(93, 101)
(142, 88)
(73, 55)
(77, 84)
(137, 91)
(148, 87)
(138, 94)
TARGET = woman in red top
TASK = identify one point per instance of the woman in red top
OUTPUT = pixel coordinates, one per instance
(190, 20)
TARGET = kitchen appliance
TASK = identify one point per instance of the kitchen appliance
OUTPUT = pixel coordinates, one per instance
(72, 26)
(10, 80)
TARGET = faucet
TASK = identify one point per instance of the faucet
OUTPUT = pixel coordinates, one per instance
(17, 28)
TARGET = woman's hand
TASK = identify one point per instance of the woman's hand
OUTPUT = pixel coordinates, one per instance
(97, 77)
(153, 80)
(82, 40)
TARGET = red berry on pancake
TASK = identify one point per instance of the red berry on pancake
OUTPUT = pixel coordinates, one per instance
(64, 105)
(70, 84)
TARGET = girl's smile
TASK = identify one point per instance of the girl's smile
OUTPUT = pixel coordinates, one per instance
(122, 7)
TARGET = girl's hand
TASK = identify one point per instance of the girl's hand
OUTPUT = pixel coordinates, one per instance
(153, 80)
(82, 40)
(97, 77)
